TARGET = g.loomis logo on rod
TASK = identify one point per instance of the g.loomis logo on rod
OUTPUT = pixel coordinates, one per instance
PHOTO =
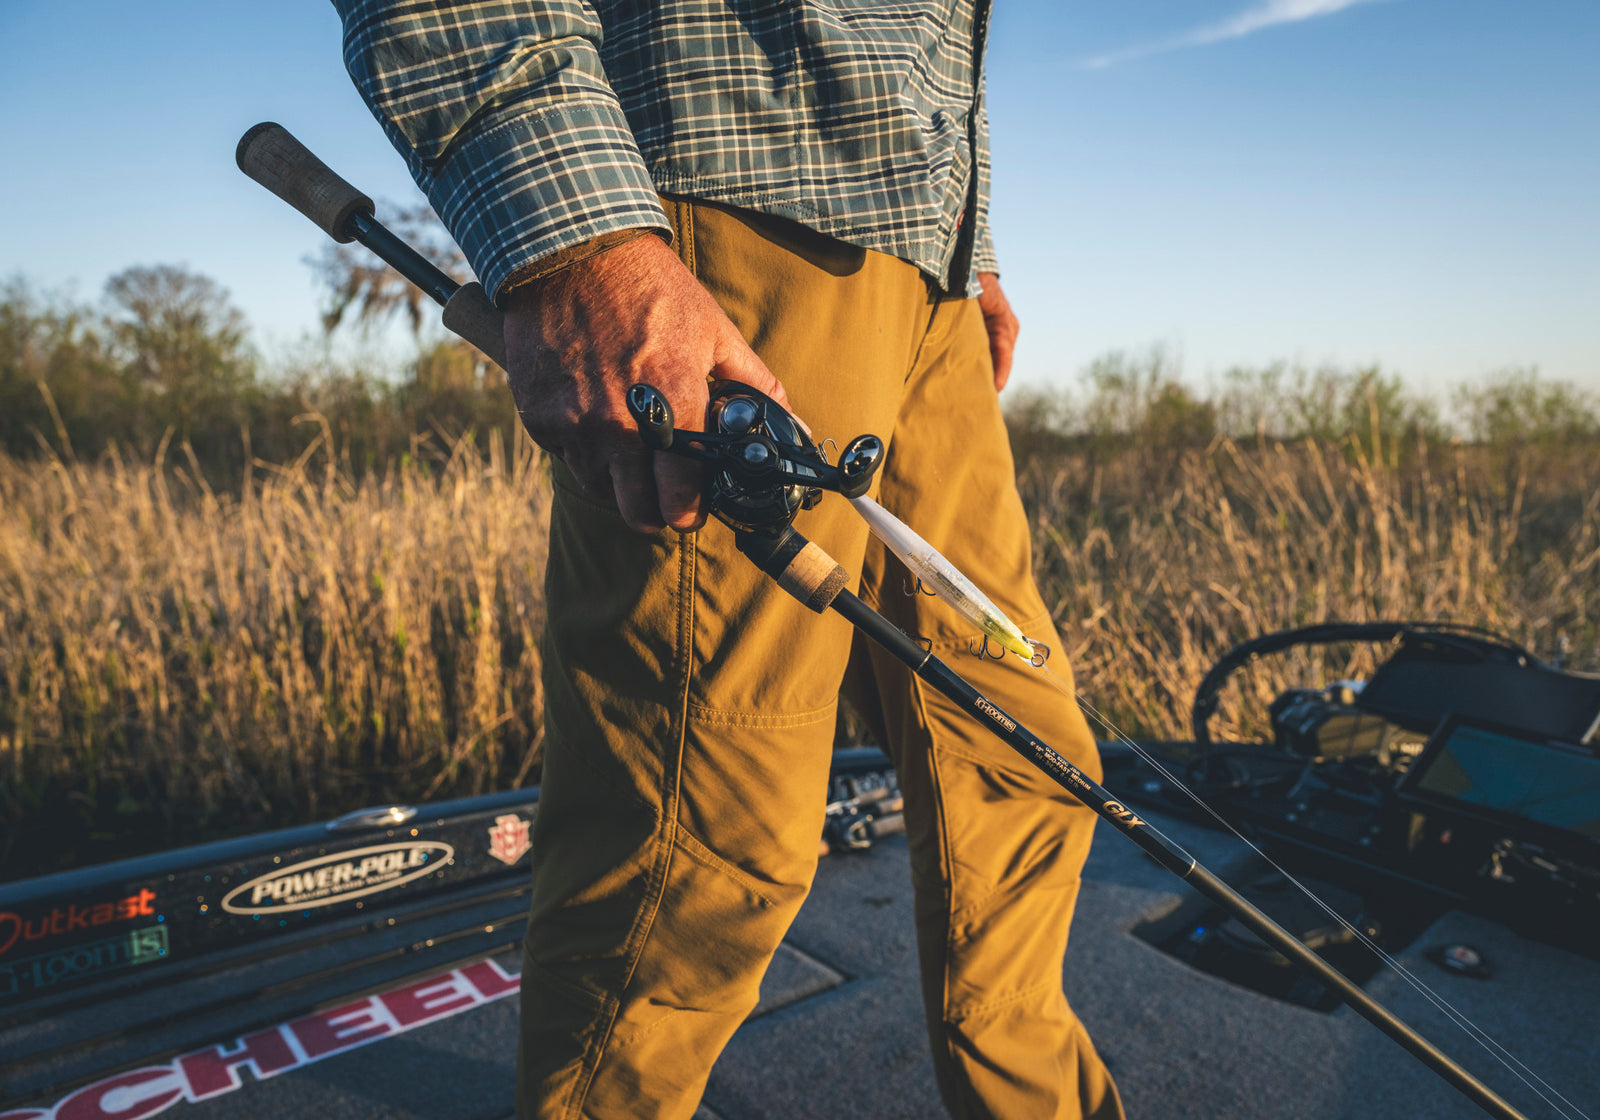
(995, 714)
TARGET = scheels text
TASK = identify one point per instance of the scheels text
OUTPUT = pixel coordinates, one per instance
(215, 1070)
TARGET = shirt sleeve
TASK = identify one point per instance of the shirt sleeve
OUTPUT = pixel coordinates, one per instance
(983, 255)
(983, 258)
(506, 119)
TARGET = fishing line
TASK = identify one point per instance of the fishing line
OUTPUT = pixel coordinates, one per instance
(1507, 1059)
(947, 582)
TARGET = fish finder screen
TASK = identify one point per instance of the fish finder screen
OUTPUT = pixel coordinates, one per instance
(1534, 781)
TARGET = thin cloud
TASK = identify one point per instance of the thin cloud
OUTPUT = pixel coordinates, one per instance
(1273, 13)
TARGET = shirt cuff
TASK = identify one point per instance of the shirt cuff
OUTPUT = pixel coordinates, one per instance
(983, 257)
(563, 259)
(542, 182)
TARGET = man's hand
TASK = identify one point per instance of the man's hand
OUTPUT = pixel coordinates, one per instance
(1002, 325)
(575, 342)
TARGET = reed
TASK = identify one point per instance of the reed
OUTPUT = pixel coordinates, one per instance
(1156, 568)
(178, 664)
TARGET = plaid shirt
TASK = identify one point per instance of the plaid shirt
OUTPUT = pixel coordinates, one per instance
(535, 125)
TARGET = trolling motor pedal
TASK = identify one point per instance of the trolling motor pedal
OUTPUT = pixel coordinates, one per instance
(764, 468)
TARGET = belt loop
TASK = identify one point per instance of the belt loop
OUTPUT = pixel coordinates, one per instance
(680, 213)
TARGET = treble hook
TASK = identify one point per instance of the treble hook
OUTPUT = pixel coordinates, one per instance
(983, 650)
(917, 587)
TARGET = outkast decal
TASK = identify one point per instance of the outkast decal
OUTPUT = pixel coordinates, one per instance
(23, 932)
(508, 839)
(338, 877)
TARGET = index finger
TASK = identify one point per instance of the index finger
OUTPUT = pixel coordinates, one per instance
(680, 482)
(680, 488)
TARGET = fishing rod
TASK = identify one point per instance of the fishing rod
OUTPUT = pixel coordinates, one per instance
(764, 469)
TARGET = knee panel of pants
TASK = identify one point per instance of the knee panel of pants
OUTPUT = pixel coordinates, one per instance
(1046, 1051)
(697, 976)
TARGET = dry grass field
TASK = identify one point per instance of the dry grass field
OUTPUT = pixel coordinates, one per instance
(203, 635)
(1153, 574)
(177, 664)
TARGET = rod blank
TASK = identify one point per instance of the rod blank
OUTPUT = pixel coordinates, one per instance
(1169, 855)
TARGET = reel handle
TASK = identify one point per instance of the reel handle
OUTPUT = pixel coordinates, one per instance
(858, 462)
(652, 412)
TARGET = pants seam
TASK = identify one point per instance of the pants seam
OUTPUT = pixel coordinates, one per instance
(669, 823)
(922, 342)
(683, 215)
(964, 914)
(947, 868)
(725, 717)
(990, 1006)
(702, 853)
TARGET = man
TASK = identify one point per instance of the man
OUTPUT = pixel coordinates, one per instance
(687, 190)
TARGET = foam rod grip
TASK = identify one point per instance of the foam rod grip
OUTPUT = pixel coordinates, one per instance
(270, 155)
(471, 315)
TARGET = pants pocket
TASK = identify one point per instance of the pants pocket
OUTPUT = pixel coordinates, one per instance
(561, 1030)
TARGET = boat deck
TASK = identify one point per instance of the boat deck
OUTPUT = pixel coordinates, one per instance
(839, 1031)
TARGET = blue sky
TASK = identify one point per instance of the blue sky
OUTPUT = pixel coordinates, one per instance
(1409, 182)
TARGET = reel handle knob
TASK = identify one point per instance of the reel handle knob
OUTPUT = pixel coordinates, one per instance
(858, 462)
(652, 412)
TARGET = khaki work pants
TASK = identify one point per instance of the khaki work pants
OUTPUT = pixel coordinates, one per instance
(690, 709)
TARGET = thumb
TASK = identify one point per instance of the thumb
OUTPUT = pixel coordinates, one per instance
(735, 361)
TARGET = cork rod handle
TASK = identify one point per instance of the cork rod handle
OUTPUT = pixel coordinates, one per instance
(800, 567)
(270, 155)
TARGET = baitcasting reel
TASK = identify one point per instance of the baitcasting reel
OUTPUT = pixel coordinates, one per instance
(764, 468)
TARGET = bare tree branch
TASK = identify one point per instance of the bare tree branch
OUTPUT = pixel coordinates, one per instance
(361, 289)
